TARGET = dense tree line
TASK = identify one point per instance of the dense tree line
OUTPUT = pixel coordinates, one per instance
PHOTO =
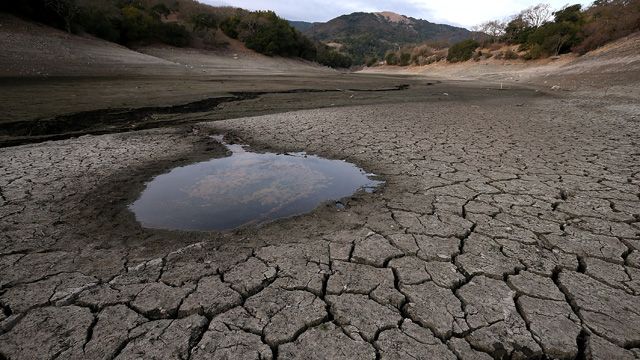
(266, 33)
(123, 21)
(538, 32)
(543, 33)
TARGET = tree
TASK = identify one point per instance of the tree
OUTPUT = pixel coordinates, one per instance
(66, 9)
(203, 22)
(230, 26)
(608, 20)
(391, 58)
(493, 28)
(570, 14)
(462, 51)
(161, 10)
(536, 16)
(329, 57)
(517, 31)
(405, 59)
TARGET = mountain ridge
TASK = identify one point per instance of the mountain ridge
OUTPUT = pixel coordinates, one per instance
(369, 35)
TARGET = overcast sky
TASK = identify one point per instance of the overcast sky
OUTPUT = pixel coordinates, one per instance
(455, 12)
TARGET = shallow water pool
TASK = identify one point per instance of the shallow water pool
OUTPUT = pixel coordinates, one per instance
(246, 188)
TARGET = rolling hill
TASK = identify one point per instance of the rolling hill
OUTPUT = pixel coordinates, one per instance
(365, 35)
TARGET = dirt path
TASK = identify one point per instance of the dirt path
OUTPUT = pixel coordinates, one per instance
(509, 227)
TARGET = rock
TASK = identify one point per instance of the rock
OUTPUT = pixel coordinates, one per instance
(111, 332)
(366, 315)
(537, 259)
(363, 279)
(536, 286)
(30, 267)
(445, 225)
(249, 277)
(410, 270)
(374, 250)
(601, 349)
(482, 256)
(554, 324)
(210, 298)
(411, 341)
(606, 311)
(444, 274)
(618, 276)
(436, 308)
(326, 341)
(432, 248)
(48, 332)
(220, 342)
(463, 350)
(157, 300)
(301, 266)
(106, 295)
(163, 339)
(583, 243)
(285, 313)
(491, 311)
(57, 289)
(148, 271)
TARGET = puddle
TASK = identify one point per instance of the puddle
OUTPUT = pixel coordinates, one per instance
(246, 188)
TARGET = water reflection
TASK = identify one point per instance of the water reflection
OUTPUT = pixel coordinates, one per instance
(245, 188)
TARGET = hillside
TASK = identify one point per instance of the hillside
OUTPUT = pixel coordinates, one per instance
(178, 23)
(301, 26)
(613, 69)
(366, 35)
(34, 50)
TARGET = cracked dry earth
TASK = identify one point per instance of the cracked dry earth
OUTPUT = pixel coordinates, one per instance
(508, 228)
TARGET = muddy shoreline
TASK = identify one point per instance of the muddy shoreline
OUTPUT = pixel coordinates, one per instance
(106, 121)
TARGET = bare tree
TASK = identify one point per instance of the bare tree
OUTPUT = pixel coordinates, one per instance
(493, 28)
(66, 9)
(476, 30)
(536, 15)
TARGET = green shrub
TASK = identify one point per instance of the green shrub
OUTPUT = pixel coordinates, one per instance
(172, 34)
(230, 26)
(99, 24)
(136, 25)
(329, 57)
(556, 37)
(161, 10)
(517, 31)
(535, 52)
(391, 58)
(203, 22)
(266, 33)
(405, 59)
(510, 55)
(462, 51)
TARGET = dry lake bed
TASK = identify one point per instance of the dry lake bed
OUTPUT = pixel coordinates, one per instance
(505, 223)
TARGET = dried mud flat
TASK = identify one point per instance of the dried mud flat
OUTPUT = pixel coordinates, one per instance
(509, 227)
